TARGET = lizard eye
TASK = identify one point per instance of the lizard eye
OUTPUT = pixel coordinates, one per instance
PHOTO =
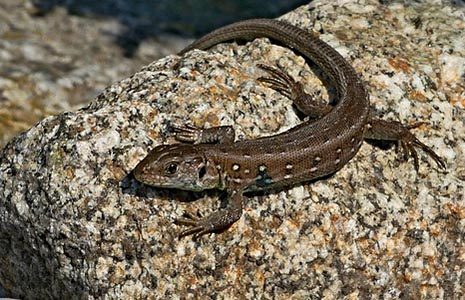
(171, 168)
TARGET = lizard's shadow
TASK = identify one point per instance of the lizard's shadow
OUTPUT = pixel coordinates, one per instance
(131, 186)
(275, 190)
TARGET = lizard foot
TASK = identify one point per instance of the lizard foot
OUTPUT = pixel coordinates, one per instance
(217, 221)
(280, 81)
(288, 87)
(407, 143)
(187, 133)
(195, 135)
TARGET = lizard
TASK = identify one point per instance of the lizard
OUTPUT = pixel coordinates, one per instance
(320, 145)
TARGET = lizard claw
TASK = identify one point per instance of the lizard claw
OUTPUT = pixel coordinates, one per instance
(199, 226)
(279, 81)
(409, 144)
(217, 221)
(415, 125)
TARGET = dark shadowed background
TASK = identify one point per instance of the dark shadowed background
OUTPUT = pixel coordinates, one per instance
(188, 18)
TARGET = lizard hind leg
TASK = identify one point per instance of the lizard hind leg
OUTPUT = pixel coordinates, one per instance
(406, 141)
(288, 87)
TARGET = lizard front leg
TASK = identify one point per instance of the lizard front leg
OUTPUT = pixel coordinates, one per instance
(217, 221)
(192, 134)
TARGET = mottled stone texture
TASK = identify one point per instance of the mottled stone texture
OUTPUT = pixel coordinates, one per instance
(75, 224)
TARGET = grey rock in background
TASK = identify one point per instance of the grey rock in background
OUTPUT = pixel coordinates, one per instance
(74, 223)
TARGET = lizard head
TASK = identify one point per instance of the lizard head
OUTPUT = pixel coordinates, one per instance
(179, 166)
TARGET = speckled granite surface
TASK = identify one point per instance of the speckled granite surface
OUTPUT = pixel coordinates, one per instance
(73, 223)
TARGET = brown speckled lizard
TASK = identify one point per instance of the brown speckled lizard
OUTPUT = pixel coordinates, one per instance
(211, 159)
